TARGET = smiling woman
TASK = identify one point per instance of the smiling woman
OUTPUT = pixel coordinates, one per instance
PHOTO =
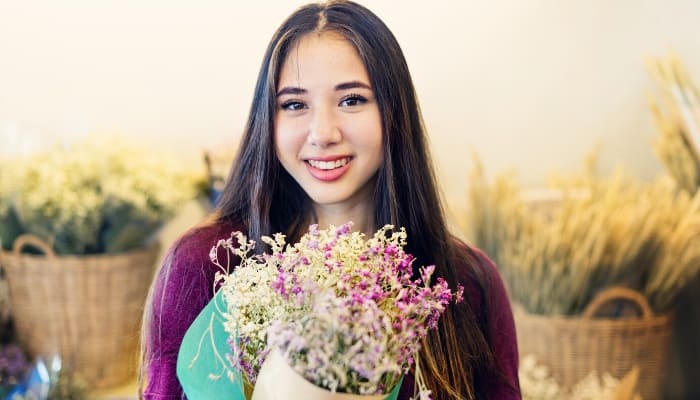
(328, 132)
(334, 135)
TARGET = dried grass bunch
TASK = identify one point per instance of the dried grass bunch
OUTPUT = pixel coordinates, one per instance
(602, 232)
(677, 116)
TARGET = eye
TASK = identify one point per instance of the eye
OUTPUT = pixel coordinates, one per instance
(293, 105)
(352, 100)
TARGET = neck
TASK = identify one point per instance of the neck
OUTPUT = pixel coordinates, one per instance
(361, 215)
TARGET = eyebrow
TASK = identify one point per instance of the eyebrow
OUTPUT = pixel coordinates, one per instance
(340, 86)
(352, 85)
(290, 90)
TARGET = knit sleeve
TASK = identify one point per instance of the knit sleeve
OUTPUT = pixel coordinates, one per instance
(181, 289)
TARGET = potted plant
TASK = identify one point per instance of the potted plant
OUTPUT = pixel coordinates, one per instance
(574, 267)
(88, 215)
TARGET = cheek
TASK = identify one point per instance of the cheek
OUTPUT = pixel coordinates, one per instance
(370, 134)
(280, 147)
(276, 141)
(287, 131)
(281, 137)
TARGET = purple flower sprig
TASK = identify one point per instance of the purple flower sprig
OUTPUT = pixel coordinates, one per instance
(343, 310)
(13, 365)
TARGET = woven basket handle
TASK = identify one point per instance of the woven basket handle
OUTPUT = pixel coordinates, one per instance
(34, 241)
(618, 293)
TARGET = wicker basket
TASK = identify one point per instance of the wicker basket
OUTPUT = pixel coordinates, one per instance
(573, 347)
(87, 309)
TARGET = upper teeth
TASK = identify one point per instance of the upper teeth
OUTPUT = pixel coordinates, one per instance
(329, 164)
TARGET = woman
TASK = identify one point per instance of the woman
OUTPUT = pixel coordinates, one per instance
(334, 135)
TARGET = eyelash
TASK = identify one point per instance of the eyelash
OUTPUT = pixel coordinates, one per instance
(287, 105)
(295, 105)
(355, 97)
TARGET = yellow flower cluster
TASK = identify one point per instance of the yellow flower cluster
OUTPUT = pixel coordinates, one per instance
(102, 195)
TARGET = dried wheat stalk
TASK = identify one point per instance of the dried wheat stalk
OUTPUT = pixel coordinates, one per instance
(677, 116)
(604, 232)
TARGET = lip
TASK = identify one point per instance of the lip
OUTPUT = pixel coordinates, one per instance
(328, 175)
(328, 158)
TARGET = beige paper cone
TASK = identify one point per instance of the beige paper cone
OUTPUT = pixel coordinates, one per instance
(278, 381)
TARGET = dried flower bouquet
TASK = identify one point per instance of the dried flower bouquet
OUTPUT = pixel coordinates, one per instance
(344, 311)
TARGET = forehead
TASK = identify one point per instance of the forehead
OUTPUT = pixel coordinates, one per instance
(318, 58)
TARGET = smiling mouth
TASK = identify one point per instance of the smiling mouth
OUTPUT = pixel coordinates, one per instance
(329, 165)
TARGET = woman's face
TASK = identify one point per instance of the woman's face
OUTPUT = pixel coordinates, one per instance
(328, 132)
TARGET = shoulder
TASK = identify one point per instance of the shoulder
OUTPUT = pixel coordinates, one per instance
(466, 255)
(185, 282)
(480, 276)
(187, 265)
(195, 244)
(484, 287)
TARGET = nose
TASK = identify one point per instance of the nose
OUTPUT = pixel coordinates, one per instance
(324, 130)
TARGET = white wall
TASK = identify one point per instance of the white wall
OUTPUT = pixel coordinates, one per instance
(528, 83)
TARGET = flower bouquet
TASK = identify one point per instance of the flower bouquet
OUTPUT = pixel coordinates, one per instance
(343, 313)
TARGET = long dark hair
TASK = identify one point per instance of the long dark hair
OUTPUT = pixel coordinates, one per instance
(456, 359)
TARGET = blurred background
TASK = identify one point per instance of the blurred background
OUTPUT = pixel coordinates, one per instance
(531, 86)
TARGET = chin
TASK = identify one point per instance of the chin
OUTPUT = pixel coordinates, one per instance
(327, 198)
